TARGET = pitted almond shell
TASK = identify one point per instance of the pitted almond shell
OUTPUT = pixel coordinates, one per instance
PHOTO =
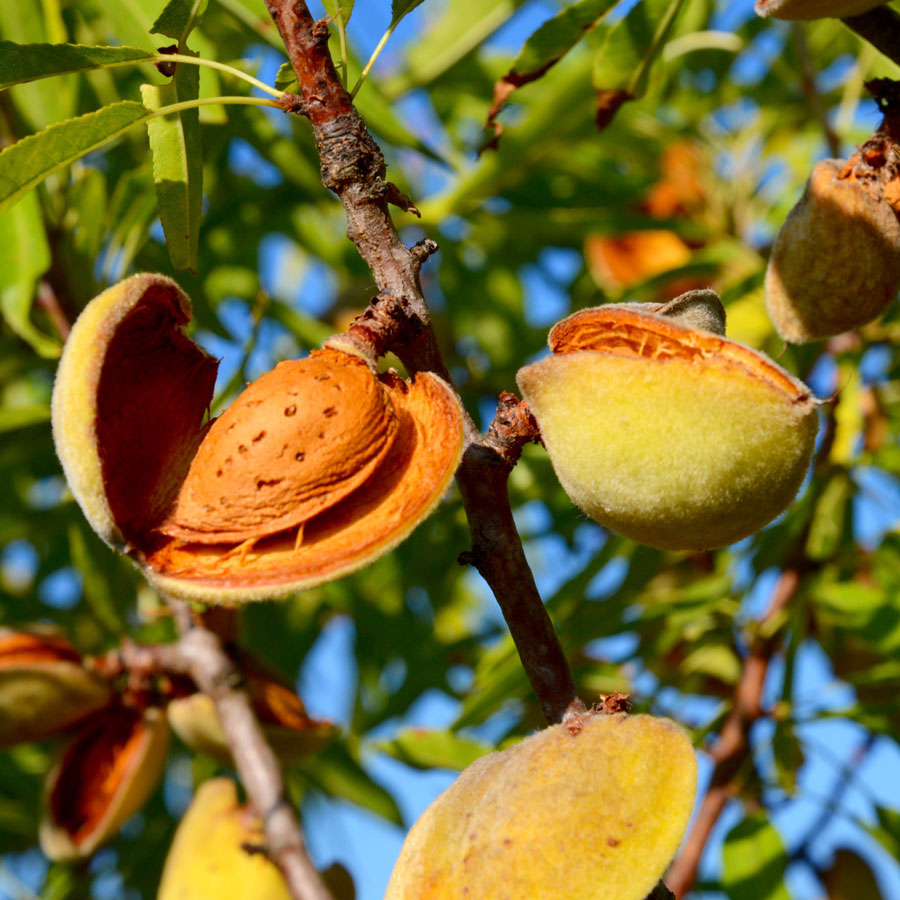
(667, 434)
(105, 775)
(588, 812)
(290, 731)
(814, 9)
(835, 264)
(211, 857)
(316, 469)
(44, 689)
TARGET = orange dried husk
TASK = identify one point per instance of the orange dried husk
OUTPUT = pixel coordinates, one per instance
(315, 470)
(618, 262)
(290, 731)
(44, 689)
(212, 855)
(105, 774)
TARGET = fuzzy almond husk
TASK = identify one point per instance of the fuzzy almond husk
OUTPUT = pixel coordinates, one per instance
(814, 9)
(210, 857)
(835, 264)
(671, 435)
(583, 812)
(315, 470)
(104, 776)
(44, 689)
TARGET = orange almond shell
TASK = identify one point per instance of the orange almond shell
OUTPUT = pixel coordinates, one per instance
(44, 689)
(105, 775)
(374, 457)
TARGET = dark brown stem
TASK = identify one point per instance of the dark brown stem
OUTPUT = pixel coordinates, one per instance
(353, 167)
(733, 745)
(881, 28)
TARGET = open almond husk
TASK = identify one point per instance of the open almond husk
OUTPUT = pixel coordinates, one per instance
(105, 774)
(289, 729)
(665, 431)
(216, 852)
(315, 470)
(44, 689)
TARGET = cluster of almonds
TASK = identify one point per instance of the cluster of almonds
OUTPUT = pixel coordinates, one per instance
(116, 737)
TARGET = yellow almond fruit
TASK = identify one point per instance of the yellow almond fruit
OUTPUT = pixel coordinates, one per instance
(105, 774)
(835, 264)
(211, 857)
(315, 470)
(587, 811)
(814, 9)
(666, 433)
(44, 689)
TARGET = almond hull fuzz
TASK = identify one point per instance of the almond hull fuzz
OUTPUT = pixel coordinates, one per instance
(44, 689)
(209, 858)
(316, 469)
(673, 436)
(814, 9)
(591, 812)
(835, 264)
(104, 776)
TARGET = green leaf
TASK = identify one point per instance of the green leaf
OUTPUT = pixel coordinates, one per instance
(753, 861)
(627, 53)
(24, 257)
(425, 748)
(555, 38)
(831, 518)
(30, 160)
(338, 774)
(15, 417)
(93, 562)
(177, 164)
(788, 755)
(179, 18)
(286, 79)
(340, 9)
(400, 8)
(27, 62)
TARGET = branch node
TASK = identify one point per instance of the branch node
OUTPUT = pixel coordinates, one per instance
(293, 103)
(321, 30)
(393, 194)
(423, 249)
(514, 426)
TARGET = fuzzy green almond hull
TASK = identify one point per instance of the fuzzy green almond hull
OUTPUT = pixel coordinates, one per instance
(668, 452)
(599, 809)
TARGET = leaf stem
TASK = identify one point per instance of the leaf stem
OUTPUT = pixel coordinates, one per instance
(375, 54)
(342, 34)
(222, 67)
(211, 101)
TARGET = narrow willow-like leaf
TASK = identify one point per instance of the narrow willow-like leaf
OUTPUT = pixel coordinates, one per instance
(630, 48)
(754, 860)
(425, 748)
(340, 9)
(177, 164)
(30, 160)
(400, 8)
(24, 257)
(28, 62)
(179, 18)
(286, 79)
(547, 46)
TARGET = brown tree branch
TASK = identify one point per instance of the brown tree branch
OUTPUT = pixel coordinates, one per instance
(732, 748)
(353, 167)
(199, 654)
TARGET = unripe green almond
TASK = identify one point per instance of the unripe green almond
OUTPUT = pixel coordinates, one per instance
(835, 264)
(814, 9)
(669, 435)
(44, 689)
(593, 811)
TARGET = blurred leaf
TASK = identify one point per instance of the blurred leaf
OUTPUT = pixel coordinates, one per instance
(178, 19)
(425, 748)
(24, 257)
(400, 8)
(340, 9)
(177, 164)
(26, 62)
(754, 861)
(14, 417)
(788, 756)
(31, 159)
(286, 79)
(831, 517)
(850, 877)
